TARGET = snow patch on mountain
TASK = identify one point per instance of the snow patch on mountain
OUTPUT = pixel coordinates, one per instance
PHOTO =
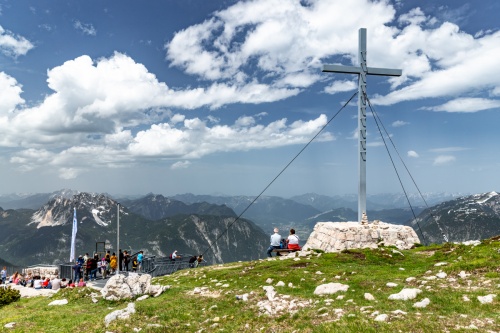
(486, 197)
(95, 214)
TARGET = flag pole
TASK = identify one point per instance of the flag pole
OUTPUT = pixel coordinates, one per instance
(73, 237)
(118, 237)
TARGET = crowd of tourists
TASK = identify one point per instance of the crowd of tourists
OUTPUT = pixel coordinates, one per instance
(87, 267)
(33, 280)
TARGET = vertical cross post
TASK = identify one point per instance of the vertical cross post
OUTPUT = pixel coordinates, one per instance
(362, 71)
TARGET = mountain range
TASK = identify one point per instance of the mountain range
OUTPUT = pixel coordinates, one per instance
(472, 217)
(221, 227)
(44, 235)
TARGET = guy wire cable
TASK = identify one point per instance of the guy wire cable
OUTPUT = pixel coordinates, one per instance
(279, 174)
(413, 180)
(375, 116)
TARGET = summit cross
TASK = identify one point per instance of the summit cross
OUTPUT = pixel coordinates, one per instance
(362, 71)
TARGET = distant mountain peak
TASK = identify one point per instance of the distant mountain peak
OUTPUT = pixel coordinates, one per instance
(59, 210)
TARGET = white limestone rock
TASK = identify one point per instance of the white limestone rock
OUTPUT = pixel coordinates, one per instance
(422, 304)
(330, 288)
(59, 302)
(381, 317)
(406, 294)
(486, 299)
(270, 292)
(369, 297)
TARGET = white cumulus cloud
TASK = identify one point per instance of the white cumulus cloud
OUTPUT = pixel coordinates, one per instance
(412, 153)
(443, 159)
(13, 45)
(467, 105)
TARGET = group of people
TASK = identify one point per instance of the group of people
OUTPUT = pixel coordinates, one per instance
(290, 243)
(32, 281)
(87, 267)
(194, 261)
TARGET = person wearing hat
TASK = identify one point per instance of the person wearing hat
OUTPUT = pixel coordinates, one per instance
(275, 242)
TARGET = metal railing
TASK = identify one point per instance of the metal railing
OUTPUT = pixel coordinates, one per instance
(159, 266)
(153, 265)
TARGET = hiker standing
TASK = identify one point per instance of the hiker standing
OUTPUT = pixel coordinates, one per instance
(140, 257)
(3, 274)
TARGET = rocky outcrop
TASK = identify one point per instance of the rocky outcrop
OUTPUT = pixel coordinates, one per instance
(126, 287)
(339, 236)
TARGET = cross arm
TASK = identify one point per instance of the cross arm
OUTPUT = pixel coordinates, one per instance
(357, 70)
(384, 71)
(341, 69)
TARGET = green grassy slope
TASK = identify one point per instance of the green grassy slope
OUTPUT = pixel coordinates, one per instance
(217, 309)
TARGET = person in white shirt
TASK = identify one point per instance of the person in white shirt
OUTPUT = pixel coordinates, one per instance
(174, 255)
(37, 282)
(275, 242)
(293, 241)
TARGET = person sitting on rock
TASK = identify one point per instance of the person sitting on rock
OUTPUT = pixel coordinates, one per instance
(81, 283)
(293, 241)
(37, 282)
(56, 283)
(15, 278)
(47, 284)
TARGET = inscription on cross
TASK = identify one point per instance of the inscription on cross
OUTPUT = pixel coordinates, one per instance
(362, 71)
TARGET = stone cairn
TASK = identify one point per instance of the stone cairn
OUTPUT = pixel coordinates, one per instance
(339, 236)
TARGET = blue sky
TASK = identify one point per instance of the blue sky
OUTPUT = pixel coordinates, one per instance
(131, 97)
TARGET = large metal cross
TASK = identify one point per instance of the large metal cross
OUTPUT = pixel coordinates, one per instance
(362, 71)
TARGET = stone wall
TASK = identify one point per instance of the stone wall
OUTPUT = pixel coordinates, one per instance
(43, 270)
(339, 236)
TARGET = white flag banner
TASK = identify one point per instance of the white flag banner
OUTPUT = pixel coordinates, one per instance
(73, 239)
